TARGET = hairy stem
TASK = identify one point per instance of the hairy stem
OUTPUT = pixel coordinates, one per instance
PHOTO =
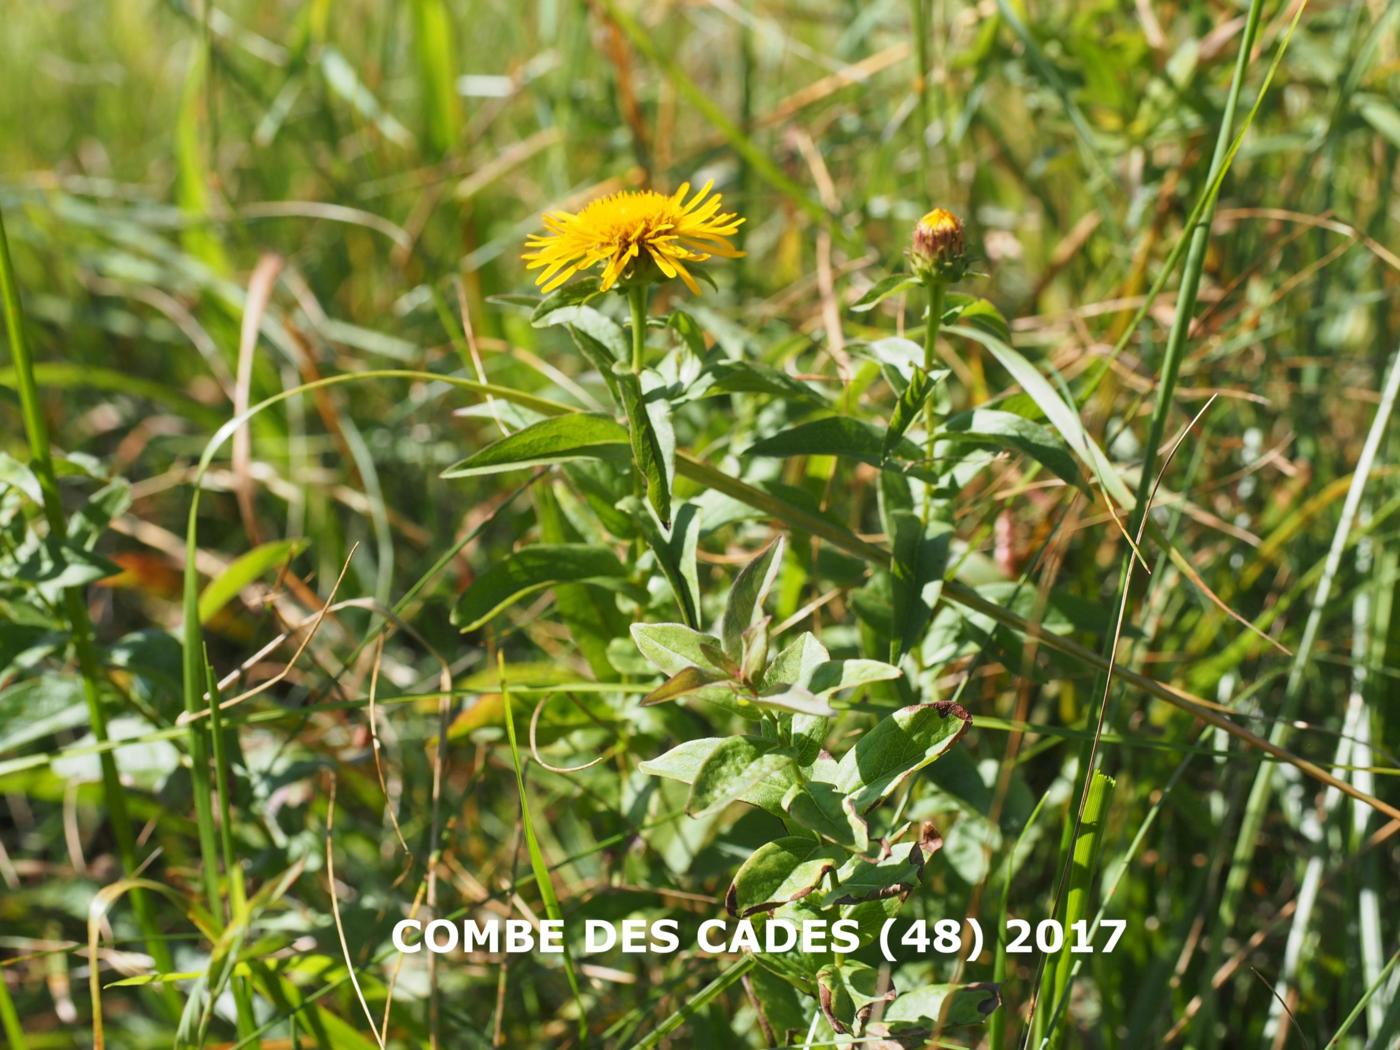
(918, 10)
(937, 290)
(637, 298)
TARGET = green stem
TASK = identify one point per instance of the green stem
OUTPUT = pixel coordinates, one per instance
(937, 290)
(75, 608)
(238, 901)
(194, 681)
(637, 297)
(1081, 884)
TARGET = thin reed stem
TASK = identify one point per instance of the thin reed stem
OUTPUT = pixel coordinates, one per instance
(75, 607)
(918, 10)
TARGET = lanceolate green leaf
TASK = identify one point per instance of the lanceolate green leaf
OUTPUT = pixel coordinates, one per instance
(683, 761)
(14, 474)
(1061, 416)
(597, 336)
(735, 377)
(986, 426)
(689, 682)
(896, 356)
(673, 647)
(744, 606)
(795, 699)
(797, 662)
(818, 802)
(36, 707)
(898, 745)
(583, 435)
(848, 992)
(56, 566)
(834, 436)
(87, 524)
(687, 762)
(835, 676)
(597, 326)
(689, 330)
(907, 409)
(894, 284)
(971, 310)
(251, 566)
(675, 553)
(918, 561)
(863, 879)
(529, 571)
(575, 293)
(651, 455)
(590, 613)
(601, 358)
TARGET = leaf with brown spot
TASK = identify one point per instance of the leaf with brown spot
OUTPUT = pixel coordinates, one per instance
(779, 872)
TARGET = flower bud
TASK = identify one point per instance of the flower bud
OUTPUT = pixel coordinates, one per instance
(937, 251)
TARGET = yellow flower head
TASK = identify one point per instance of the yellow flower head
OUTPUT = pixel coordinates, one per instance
(631, 232)
(938, 250)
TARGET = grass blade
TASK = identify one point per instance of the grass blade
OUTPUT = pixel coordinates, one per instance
(537, 861)
(433, 41)
(1081, 884)
(1262, 788)
(75, 606)
(700, 1000)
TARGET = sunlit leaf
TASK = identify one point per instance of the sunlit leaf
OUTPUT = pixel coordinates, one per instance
(529, 571)
(580, 435)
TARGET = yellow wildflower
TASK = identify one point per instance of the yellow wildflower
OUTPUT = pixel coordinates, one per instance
(938, 250)
(630, 233)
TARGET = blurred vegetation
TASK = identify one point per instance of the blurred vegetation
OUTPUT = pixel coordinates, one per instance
(209, 205)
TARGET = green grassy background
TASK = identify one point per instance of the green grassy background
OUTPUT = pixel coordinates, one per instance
(155, 158)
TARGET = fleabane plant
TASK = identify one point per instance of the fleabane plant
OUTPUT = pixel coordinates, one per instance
(746, 714)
